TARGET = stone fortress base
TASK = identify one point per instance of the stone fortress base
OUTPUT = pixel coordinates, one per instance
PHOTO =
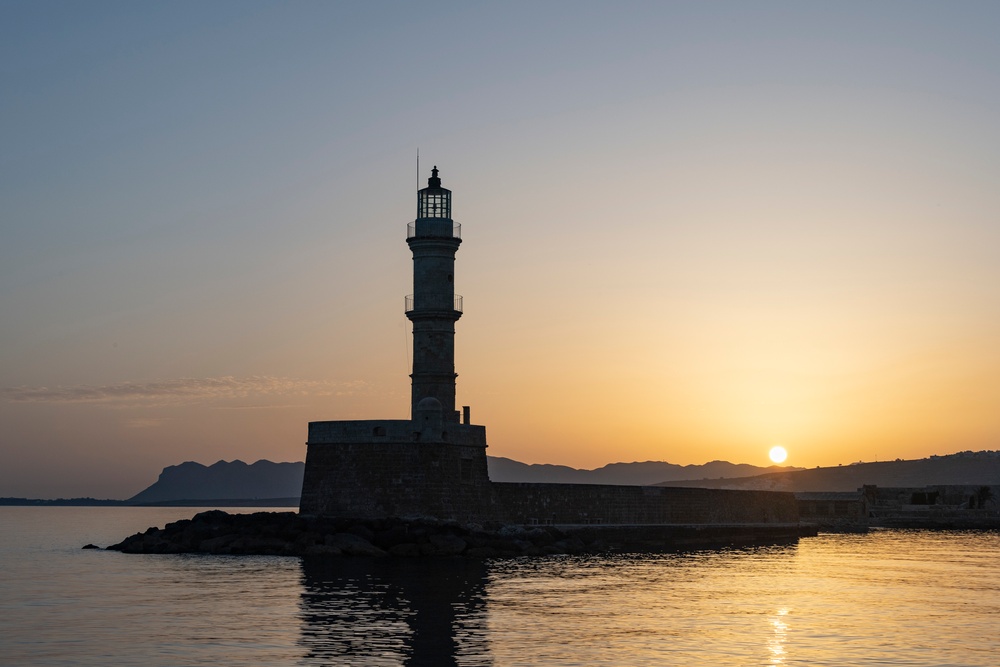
(429, 468)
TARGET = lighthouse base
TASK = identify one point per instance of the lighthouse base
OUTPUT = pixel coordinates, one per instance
(396, 468)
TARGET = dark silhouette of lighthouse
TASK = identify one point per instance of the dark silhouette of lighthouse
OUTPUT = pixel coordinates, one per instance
(430, 465)
(433, 465)
(434, 307)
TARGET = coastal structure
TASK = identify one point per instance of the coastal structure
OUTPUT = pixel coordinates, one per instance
(943, 506)
(434, 463)
(430, 464)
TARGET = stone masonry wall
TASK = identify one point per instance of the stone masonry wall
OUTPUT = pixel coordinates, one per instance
(429, 468)
(605, 504)
(375, 469)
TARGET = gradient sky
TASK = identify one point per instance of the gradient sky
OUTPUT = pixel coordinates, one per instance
(691, 230)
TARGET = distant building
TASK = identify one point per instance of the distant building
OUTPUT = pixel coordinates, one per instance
(934, 506)
(434, 463)
(834, 509)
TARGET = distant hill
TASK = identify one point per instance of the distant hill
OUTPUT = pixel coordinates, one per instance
(629, 474)
(964, 468)
(264, 480)
(73, 502)
(224, 481)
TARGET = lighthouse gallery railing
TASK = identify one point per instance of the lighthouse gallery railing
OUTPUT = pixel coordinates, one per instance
(433, 300)
(456, 230)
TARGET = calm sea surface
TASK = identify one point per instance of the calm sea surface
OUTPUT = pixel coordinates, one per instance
(886, 598)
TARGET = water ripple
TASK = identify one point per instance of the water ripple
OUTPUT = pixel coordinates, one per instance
(900, 598)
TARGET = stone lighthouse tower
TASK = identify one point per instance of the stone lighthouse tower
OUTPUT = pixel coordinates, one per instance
(430, 465)
(434, 307)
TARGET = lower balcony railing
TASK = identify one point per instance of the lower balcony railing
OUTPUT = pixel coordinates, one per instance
(433, 302)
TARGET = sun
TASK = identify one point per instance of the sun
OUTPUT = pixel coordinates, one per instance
(778, 454)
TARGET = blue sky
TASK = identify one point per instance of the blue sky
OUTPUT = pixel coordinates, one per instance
(692, 230)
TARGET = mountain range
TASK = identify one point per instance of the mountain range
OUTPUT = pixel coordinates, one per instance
(265, 480)
(262, 480)
(642, 473)
(271, 482)
(963, 469)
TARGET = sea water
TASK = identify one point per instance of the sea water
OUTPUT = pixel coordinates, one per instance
(883, 598)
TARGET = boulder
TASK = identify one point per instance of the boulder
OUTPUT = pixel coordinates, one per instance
(405, 550)
(443, 544)
(353, 545)
(218, 545)
(322, 550)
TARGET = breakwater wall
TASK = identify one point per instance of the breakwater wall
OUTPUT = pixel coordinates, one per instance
(429, 468)
(595, 504)
(288, 534)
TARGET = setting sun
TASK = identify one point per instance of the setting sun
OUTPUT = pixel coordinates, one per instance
(778, 454)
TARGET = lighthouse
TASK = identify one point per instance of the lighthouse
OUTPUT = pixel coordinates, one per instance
(433, 307)
(431, 464)
(434, 465)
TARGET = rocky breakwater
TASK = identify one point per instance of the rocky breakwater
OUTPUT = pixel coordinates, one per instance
(288, 534)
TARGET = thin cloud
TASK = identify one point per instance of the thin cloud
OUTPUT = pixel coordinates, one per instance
(145, 422)
(262, 406)
(183, 390)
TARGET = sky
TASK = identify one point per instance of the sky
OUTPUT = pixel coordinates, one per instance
(691, 231)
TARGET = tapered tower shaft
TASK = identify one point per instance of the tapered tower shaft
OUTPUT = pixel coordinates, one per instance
(434, 307)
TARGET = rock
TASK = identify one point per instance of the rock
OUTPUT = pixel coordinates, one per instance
(392, 536)
(512, 531)
(540, 537)
(362, 532)
(481, 552)
(477, 539)
(91, 546)
(405, 550)
(447, 544)
(212, 516)
(570, 545)
(269, 546)
(353, 545)
(322, 550)
(524, 546)
(288, 534)
(218, 545)
(308, 538)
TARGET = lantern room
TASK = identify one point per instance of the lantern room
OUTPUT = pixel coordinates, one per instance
(434, 201)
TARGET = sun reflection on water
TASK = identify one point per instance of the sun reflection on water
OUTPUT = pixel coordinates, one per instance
(776, 641)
